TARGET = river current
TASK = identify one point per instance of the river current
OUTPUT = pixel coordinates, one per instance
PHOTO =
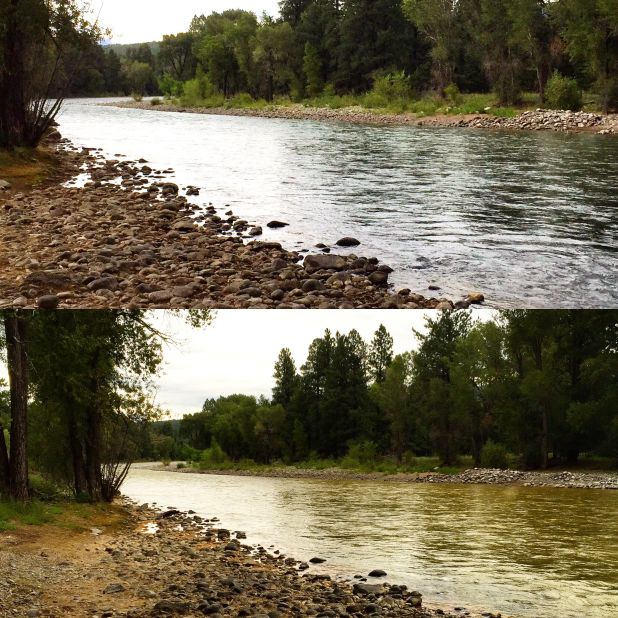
(526, 552)
(529, 219)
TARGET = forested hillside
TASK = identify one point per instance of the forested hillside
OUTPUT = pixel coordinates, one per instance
(531, 388)
(393, 49)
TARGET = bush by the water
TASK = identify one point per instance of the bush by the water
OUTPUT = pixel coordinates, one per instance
(494, 455)
(563, 93)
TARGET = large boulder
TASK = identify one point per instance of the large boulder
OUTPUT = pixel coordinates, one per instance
(348, 242)
(5, 185)
(324, 262)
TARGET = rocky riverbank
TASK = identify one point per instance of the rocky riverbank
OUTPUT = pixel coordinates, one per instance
(538, 120)
(155, 563)
(124, 235)
(564, 479)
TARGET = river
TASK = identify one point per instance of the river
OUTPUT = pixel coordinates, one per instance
(529, 219)
(526, 552)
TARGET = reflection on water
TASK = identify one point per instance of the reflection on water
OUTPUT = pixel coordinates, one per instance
(527, 552)
(527, 218)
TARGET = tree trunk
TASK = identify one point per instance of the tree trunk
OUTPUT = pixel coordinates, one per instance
(16, 328)
(80, 480)
(93, 455)
(12, 92)
(4, 464)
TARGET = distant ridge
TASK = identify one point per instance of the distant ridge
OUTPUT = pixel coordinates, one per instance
(122, 48)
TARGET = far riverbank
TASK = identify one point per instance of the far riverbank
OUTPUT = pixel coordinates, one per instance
(538, 120)
(565, 479)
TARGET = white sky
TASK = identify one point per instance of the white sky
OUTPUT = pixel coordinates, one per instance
(238, 351)
(236, 354)
(138, 21)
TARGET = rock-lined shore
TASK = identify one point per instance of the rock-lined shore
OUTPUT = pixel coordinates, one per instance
(482, 476)
(538, 120)
(162, 563)
(131, 238)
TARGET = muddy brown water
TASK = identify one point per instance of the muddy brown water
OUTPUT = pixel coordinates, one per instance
(526, 552)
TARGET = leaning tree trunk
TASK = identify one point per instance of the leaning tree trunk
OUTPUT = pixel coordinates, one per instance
(15, 328)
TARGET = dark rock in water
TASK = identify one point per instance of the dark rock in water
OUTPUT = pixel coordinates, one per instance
(255, 231)
(320, 245)
(369, 588)
(114, 589)
(377, 573)
(275, 225)
(327, 262)
(169, 188)
(378, 278)
(48, 303)
(475, 298)
(168, 514)
(348, 241)
(434, 288)
(317, 560)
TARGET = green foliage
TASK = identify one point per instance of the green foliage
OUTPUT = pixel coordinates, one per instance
(563, 93)
(494, 455)
(394, 87)
(33, 513)
(453, 95)
(361, 454)
(214, 456)
(170, 87)
(155, 102)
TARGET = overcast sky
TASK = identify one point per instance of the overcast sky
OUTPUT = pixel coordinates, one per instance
(137, 21)
(236, 354)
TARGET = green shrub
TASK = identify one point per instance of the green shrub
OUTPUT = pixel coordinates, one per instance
(137, 97)
(240, 101)
(170, 87)
(154, 102)
(181, 466)
(44, 489)
(361, 454)
(213, 456)
(166, 462)
(563, 93)
(393, 87)
(494, 455)
(453, 95)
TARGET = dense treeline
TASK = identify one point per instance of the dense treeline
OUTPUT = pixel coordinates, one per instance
(393, 48)
(535, 388)
(43, 48)
(390, 51)
(79, 398)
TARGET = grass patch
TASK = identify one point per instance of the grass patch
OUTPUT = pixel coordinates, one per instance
(33, 513)
(62, 514)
